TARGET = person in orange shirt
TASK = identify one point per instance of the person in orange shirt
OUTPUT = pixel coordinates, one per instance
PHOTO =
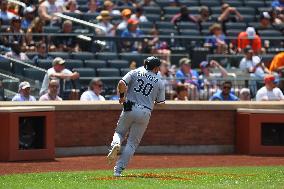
(277, 63)
(249, 38)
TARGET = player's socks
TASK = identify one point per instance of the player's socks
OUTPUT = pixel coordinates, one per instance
(112, 155)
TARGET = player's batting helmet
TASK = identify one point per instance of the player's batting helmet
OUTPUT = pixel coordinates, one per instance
(151, 62)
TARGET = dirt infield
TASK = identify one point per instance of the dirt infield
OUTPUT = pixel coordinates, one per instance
(139, 161)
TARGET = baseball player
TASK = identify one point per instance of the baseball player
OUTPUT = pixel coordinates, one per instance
(139, 89)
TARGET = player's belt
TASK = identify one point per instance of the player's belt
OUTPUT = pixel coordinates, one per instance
(135, 104)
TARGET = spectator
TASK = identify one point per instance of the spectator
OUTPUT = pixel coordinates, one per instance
(51, 95)
(217, 40)
(269, 92)
(57, 72)
(47, 9)
(92, 5)
(29, 14)
(276, 17)
(66, 43)
(132, 31)
(14, 29)
(204, 15)
(2, 92)
(147, 3)
(105, 22)
(42, 54)
(72, 6)
(35, 27)
(94, 91)
(252, 64)
(125, 14)
(245, 94)
(183, 16)
(264, 22)
(277, 64)
(174, 3)
(224, 94)
(227, 11)
(182, 93)
(139, 15)
(108, 6)
(16, 52)
(278, 5)
(185, 74)
(249, 37)
(5, 15)
(24, 93)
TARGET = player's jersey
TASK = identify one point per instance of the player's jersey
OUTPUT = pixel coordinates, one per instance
(144, 87)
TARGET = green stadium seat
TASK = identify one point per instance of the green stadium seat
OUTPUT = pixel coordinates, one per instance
(118, 64)
(5, 64)
(234, 3)
(85, 72)
(235, 25)
(34, 74)
(108, 72)
(106, 56)
(210, 3)
(153, 17)
(64, 55)
(51, 29)
(255, 4)
(164, 25)
(124, 71)
(82, 55)
(171, 10)
(73, 63)
(194, 9)
(95, 64)
(189, 32)
(138, 58)
(152, 10)
(44, 63)
(187, 26)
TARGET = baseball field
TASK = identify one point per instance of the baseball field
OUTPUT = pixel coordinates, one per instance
(147, 171)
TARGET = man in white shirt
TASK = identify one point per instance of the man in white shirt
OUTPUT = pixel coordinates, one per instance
(269, 92)
(94, 91)
(253, 65)
(57, 72)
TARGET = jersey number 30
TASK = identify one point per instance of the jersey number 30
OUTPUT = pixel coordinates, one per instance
(143, 88)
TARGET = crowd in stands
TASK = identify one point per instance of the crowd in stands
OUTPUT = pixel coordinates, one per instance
(129, 19)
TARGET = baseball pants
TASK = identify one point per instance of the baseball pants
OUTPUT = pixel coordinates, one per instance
(134, 123)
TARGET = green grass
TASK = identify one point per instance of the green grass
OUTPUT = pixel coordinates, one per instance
(218, 177)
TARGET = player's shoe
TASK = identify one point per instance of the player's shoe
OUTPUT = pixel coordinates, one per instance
(117, 171)
(112, 155)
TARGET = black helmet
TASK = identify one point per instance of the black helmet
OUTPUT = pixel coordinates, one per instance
(151, 62)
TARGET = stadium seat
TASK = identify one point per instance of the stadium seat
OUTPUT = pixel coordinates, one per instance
(171, 10)
(89, 16)
(5, 64)
(124, 71)
(44, 63)
(82, 2)
(194, 10)
(106, 56)
(4, 28)
(235, 25)
(108, 72)
(95, 64)
(31, 54)
(83, 8)
(164, 25)
(187, 26)
(255, 4)
(206, 25)
(263, 9)
(18, 68)
(153, 17)
(146, 31)
(83, 55)
(34, 74)
(146, 25)
(189, 32)
(269, 33)
(73, 63)
(168, 32)
(216, 10)
(246, 10)
(205, 32)
(189, 3)
(51, 29)
(210, 3)
(233, 32)
(198, 55)
(152, 10)
(64, 55)
(163, 3)
(248, 18)
(138, 58)
(85, 72)
(118, 64)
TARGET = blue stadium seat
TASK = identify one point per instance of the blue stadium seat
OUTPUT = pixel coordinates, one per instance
(233, 32)
(188, 26)
(189, 32)
(189, 3)
(73, 63)
(255, 4)
(95, 64)
(206, 25)
(83, 55)
(106, 55)
(146, 25)
(83, 8)
(235, 25)
(108, 72)
(247, 10)
(18, 68)
(168, 31)
(118, 64)
(64, 55)
(153, 17)
(5, 64)
(85, 72)
(269, 33)
(234, 3)
(152, 10)
(194, 9)
(33, 74)
(210, 3)
(164, 25)
(89, 16)
(44, 63)
(171, 10)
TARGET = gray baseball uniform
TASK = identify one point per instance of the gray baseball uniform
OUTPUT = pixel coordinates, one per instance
(144, 89)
